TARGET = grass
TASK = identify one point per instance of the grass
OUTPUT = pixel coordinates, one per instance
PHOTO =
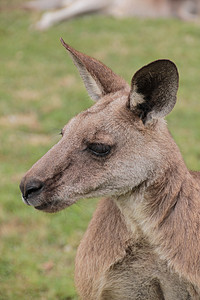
(40, 91)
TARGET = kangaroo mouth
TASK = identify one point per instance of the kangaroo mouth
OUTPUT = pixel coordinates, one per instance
(53, 206)
(50, 206)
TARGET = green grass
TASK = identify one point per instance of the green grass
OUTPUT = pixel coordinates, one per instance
(40, 91)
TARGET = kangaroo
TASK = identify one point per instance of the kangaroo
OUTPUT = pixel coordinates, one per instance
(143, 240)
(67, 9)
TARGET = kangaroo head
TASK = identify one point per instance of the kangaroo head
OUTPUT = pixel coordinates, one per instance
(114, 146)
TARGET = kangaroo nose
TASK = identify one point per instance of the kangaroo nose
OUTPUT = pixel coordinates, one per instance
(31, 188)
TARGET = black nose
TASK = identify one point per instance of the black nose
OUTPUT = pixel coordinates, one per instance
(31, 187)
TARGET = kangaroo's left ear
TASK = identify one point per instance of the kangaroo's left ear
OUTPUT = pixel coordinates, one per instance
(99, 80)
(153, 90)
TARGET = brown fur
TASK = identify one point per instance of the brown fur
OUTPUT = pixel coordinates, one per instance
(143, 239)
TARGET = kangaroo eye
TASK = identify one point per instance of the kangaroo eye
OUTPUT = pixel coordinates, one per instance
(99, 149)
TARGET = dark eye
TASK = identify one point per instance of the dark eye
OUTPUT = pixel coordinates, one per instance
(99, 149)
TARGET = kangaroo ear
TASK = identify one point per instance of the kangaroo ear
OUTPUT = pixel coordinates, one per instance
(99, 80)
(153, 90)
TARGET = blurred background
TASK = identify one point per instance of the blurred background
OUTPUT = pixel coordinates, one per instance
(40, 90)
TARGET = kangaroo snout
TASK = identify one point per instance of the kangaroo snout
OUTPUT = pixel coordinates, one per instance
(31, 189)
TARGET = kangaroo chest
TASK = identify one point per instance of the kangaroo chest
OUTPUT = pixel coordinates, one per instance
(113, 265)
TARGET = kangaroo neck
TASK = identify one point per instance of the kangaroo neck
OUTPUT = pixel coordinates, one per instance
(167, 212)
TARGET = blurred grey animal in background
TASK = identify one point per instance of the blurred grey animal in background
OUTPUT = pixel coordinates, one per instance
(67, 9)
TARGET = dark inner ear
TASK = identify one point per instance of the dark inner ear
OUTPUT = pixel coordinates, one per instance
(154, 89)
(148, 85)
